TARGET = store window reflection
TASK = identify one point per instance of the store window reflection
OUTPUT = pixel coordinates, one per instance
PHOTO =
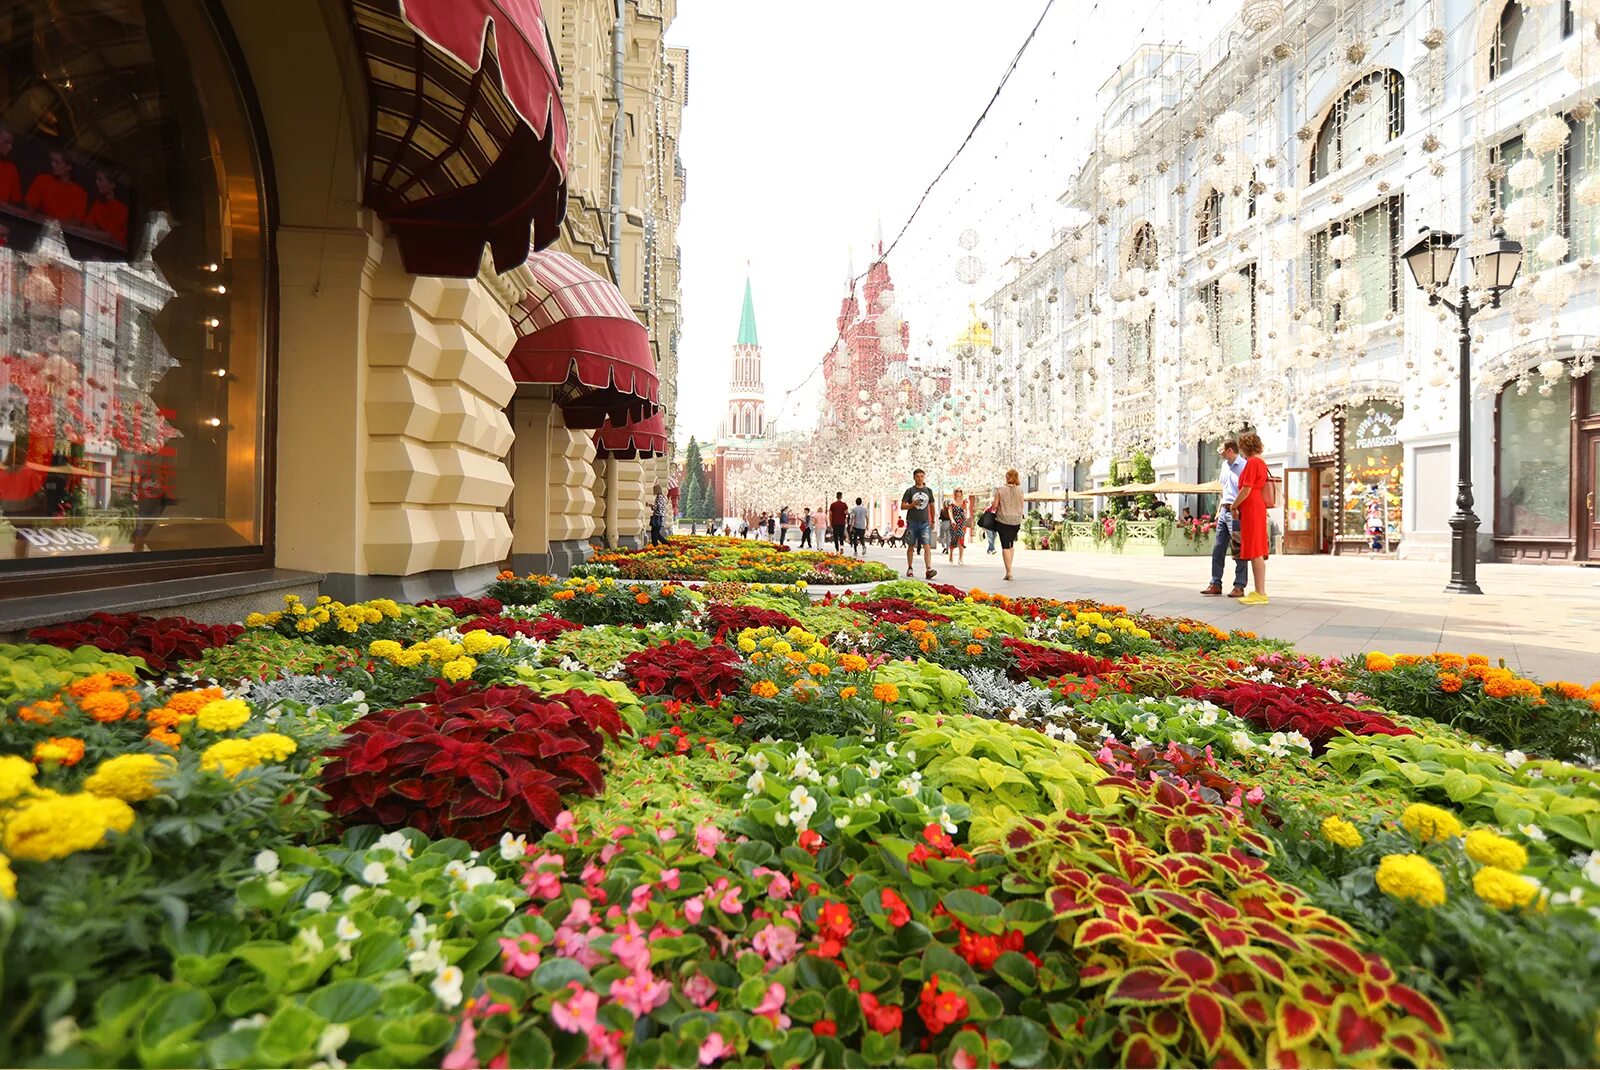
(1374, 458)
(1535, 467)
(132, 268)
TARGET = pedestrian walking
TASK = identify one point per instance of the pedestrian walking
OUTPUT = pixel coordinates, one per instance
(838, 520)
(658, 517)
(944, 527)
(784, 519)
(805, 528)
(959, 522)
(1007, 508)
(1227, 526)
(858, 529)
(1255, 494)
(917, 503)
(772, 528)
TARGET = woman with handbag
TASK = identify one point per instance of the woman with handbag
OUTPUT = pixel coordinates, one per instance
(1250, 514)
(1006, 508)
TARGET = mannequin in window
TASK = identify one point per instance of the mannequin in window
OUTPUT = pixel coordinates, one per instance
(108, 214)
(55, 195)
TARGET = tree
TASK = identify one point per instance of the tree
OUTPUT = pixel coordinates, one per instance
(696, 489)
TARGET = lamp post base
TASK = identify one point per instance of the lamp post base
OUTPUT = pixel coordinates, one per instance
(1463, 554)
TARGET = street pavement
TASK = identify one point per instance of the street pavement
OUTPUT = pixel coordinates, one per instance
(1542, 620)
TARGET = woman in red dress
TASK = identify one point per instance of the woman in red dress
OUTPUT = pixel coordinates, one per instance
(1251, 509)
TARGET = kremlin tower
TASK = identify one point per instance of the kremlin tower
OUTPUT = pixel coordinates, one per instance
(747, 397)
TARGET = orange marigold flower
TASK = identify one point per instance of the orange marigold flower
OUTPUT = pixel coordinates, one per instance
(916, 625)
(816, 668)
(41, 712)
(564, 596)
(852, 663)
(974, 649)
(1450, 661)
(668, 588)
(848, 692)
(188, 703)
(885, 692)
(591, 588)
(1450, 682)
(1406, 659)
(980, 633)
(163, 717)
(63, 750)
(505, 574)
(764, 689)
(1379, 662)
(1477, 659)
(165, 735)
(89, 685)
(105, 706)
(642, 598)
(1568, 689)
(1498, 687)
(122, 679)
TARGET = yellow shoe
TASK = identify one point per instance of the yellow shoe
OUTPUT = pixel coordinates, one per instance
(1253, 599)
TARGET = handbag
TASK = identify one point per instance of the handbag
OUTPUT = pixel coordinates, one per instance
(1269, 493)
(987, 521)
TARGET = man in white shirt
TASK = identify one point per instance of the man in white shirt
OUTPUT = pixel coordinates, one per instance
(1232, 466)
(858, 528)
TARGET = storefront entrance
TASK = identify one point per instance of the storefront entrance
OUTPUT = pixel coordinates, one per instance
(1310, 508)
(1589, 499)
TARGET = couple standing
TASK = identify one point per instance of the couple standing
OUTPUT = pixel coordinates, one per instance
(1242, 520)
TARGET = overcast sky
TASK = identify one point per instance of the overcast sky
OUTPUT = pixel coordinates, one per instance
(807, 125)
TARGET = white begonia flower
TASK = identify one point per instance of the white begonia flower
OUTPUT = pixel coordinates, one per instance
(429, 958)
(311, 940)
(349, 892)
(266, 861)
(888, 748)
(1515, 758)
(62, 1034)
(756, 783)
(782, 819)
(1591, 868)
(455, 869)
(1533, 832)
(864, 800)
(948, 825)
(1241, 741)
(396, 842)
(760, 761)
(447, 986)
(512, 847)
(255, 1021)
(346, 930)
(478, 876)
(874, 769)
(833, 782)
(843, 821)
(334, 1035)
(319, 901)
(911, 756)
(375, 874)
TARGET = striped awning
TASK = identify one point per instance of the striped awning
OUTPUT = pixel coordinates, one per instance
(468, 140)
(577, 333)
(646, 438)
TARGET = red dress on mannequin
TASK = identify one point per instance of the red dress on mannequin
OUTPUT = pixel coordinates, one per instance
(1252, 512)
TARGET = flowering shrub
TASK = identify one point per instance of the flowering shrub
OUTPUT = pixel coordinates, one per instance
(723, 617)
(465, 608)
(1311, 711)
(329, 622)
(471, 763)
(160, 642)
(685, 671)
(541, 629)
(949, 645)
(260, 655)
(747, 560)
(608, 602)
(512, 590)
(1202, 528)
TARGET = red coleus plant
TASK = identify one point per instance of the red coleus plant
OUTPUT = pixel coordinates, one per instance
(685, 671)
(467, 607)
(1031, 660)
(471, 763)
(1306, 709)
(160, 641)
(723, 618)
(897, 611)
(543, 628)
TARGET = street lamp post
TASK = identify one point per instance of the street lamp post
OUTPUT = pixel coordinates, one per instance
(1494, 268)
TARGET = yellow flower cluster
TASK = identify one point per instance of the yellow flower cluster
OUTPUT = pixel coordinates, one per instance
(443, 651)
(50, 825)
(1503, 889)
(796, 644)
(1093, 622)
(347, 618)
(1341, 833)
(1411, 878)
(8, 879)
(1430, 824)
(222, 715)
(233, 756)
(129, 777)
(16, 776)
(1493, 850)
(458, 668)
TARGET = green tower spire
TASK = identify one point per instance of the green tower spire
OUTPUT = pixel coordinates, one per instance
(747, 319)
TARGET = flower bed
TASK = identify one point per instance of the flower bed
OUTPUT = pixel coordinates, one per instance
(716, 557)
(600, 822)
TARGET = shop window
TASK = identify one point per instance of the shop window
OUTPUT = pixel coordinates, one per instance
(1231, 313)
(1208, 467)
(1513, 39)
(1208, 221)
(1373, 460)
(1534, 462)
(1560, 176)
(132, 290)
(1369, 115)
(1374, 263)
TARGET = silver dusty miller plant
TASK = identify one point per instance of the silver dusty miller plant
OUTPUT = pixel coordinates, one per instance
(309, 691)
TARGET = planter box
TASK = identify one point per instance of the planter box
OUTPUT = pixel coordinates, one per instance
(1142, 538)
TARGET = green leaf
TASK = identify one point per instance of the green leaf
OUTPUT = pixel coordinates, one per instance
(880, 1049)
(290, 1037)
(345, 1001)
(531, 1048)
(175, 1015)
(796, 1047)
(817, 973)
(118, 1008)
(1017, 972)
(377, 953)
(1030, 1044)
(672, 947)
(844, 1007)
(553, 975)
(235, 1048)
(974, 910)
(270, 958)
(246, 999)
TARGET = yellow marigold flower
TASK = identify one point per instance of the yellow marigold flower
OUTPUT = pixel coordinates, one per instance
(272, 746)
(887, 693)
(1411, 878)
(1492, 850)
(129, 777)
(222, 715)
(1101, 637)
(1502, 889)
(1430, 824)
(747, 644)
(764, 689)
(459, 668)
(16, 776)
(385, 648)
(481, 642)
(781, 647)
(230, 756)
(852, 663)
(305, 624)
(8, 879)
(1340, 833)
(816, 668)
(63, 750)
(408, 658)
(848, 692)
(1379, 662)
(1083, 631)
(255, 620)
(56, 826)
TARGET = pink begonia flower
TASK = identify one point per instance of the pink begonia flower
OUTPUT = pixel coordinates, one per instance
(640, 898)
(780, 887)
(669, 879)
(543, 878)
(640, 993)
(771, 1006)
(777, 942)
(1255, 795)
(729, 903)
(706, 839)
(577, 1013)
(462, 1055)
(521, 954)
(693, 909)
(1104, 755)
(608, 852)
(714, 1048)
(581, 912)
(631, 951)
(501, 1061)
(963, 1060)
(613, 912)
(564, 828)
(667, 833)
(700, 990)
(606, 1047)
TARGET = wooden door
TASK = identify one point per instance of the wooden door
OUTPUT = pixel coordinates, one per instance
(1299, 511)
(1589, 497)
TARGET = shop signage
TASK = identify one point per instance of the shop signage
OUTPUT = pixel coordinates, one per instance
(1376, 430)
(60, 540)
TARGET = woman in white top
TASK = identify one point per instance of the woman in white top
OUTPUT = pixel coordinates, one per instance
(1007, 508)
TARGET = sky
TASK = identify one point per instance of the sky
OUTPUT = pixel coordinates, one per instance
(810, 127)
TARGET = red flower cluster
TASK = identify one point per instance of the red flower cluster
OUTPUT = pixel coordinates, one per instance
(981, 949)
(724, 617)
(897, 611)
(940, 1009)
(938, 844)
(160, 641)
(687, 672)
(899, 913)
(1306, 709)
(881, 1017)
(543, 628)
(834, 925)
(1046, 662)
(675, 741)
(471, 763)
(467, 607)
(811, 841)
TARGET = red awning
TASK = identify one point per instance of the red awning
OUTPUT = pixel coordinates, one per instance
(467, 139)
(579, 335)
(647, 438)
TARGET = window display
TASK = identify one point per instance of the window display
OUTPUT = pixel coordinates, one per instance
(1535, 462)
(132, 281)
(1373, 467)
